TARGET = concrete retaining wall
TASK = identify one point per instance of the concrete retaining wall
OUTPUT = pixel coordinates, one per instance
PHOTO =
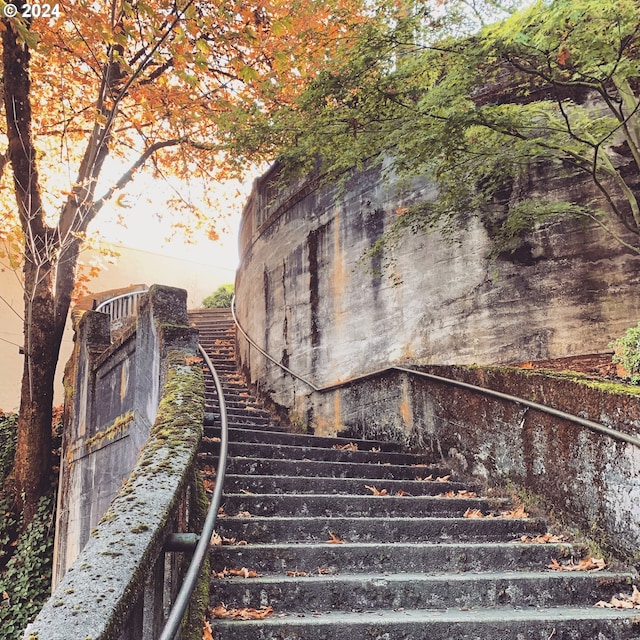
(307, 296)
(587, 480)
(114, 387)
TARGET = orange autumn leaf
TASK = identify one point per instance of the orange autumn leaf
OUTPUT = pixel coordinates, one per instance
(334, 539)
(296, 574)
(586, 564)
(623, 601)
(244, 613)
(375, 491)
(351, 446)
(516, 512)
(206, 631)
(474, 513)
(547, 538)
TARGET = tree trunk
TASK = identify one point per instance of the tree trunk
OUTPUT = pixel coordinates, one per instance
(42, 327)
(41, 346)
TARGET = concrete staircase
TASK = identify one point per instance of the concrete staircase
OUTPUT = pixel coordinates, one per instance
(342, 539)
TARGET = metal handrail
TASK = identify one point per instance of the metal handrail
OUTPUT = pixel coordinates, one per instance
(589, 424)
(132, 295)
(174, 620)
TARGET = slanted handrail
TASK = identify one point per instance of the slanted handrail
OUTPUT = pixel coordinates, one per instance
(589, 424)
(174, 620)
(119, 307)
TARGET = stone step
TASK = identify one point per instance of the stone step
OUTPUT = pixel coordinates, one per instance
(295, 452)
(271, 529)
(363, 557)
(345, 591)
(239, 415)
(555, 623)
(318, 468)
(369, 506)
(307, 440)
(237, 483)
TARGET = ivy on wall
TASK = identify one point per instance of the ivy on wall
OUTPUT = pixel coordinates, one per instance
(26, 557)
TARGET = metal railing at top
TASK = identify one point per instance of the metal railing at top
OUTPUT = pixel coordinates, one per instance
(589, 424)
(122, 306)
(174, 620)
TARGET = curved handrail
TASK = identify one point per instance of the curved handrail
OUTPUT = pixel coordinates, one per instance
(174, 620)
(589, 424)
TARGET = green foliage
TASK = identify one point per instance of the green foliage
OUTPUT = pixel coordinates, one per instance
(627, 353)
(493, 117)
(220, 298)
(25, 583)
(26, 556)
(8, 436)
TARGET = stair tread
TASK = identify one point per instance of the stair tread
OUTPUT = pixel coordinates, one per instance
(445, 616)
(410, 548)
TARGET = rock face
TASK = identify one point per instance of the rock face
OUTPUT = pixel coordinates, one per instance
(306, 294)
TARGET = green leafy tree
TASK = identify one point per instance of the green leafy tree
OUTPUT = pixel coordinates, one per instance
(220, 298)
(546, 93)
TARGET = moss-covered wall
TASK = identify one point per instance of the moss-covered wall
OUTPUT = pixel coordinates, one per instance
(115, 588)
(114, 384)
(587, 479)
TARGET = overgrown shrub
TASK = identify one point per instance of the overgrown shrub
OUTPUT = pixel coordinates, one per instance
(25, 584)
(8, 436)
(26, 557)
(627, 353)
(220, 298)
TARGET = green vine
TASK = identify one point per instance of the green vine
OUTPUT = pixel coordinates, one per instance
(8, 436)
(26, 557)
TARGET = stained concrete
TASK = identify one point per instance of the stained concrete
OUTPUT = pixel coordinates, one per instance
(306, 294)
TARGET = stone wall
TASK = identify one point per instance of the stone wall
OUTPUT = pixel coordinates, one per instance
(114, 383)
(584, 479)
(306, 295)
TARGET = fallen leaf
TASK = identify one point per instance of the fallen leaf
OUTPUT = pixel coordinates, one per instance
(375, 449)
(243, 514)
(544, 539)
(351, 446)
(323, 571)
(334, 539)
(244, 613)
(427, 479)
(400, 493)
(623, 601)
(443, 478)
(517, 512)
(474, 513)
(216, 539)
(206, 631)
(376, 492)
(586, 564)
(296, 574)
(243, 573)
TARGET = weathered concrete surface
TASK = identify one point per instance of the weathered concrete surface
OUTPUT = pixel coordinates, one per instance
(120, 583)
(586, 479)
(114, 389)
(304, 294)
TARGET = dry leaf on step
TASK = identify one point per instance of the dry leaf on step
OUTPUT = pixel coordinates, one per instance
(517, 512)
(334, 539)
(375, 491)
(623, 601)
(206, 631)
(586, 564)
(244, 613)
